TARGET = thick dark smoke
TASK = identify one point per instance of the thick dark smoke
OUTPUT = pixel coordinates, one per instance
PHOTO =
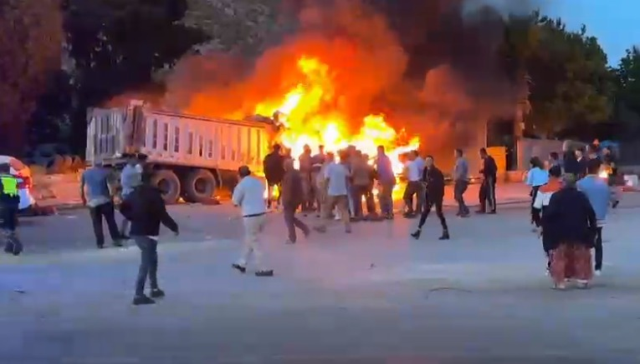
(455, 44)
(430, 65)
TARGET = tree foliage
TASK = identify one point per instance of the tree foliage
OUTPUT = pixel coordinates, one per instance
(117, 45)
(571, 84)
(31, 40)
(627, 95)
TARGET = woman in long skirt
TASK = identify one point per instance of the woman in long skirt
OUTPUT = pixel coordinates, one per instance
(569, 223)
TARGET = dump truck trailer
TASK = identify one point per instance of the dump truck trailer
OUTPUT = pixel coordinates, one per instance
(189, 156)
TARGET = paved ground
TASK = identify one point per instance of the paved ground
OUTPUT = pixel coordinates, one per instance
(372, 297)
(67, 195)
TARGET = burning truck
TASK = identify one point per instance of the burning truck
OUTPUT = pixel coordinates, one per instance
(191, 156)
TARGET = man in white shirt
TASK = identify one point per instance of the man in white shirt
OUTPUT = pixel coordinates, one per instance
(249, 196)
(415, 166)
(337, 175)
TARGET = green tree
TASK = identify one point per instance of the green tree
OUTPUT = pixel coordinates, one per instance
(571, 84)
(627, 76)
(117, 46)
(31, 41)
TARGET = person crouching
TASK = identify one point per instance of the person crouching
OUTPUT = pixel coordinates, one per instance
(570, 222)
(146, 210)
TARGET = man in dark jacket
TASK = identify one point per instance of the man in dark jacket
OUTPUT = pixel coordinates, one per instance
(292, 198)
(569, 224)
(582, 163)
(273, 166)
(146, 210)
(489, 174)
(611, 167)
(433, 179)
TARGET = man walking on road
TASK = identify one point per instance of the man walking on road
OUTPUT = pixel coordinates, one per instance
(386, 181)
(337, 176)
(610, 165)
(597, 191)
(97, 182)
(146, 210)
(273, 166)
(292, 198)
(433, 179)
(487, 193)
(414, 186)
(249, 196)
(130, 177)
(9, 203)
(305, 161)
(461, 182)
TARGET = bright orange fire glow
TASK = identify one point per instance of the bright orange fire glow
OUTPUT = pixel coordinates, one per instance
(307, 119)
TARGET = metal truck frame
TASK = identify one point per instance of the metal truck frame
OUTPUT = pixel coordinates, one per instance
(190, 157)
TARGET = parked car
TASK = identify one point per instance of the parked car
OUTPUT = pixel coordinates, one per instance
(25, 184)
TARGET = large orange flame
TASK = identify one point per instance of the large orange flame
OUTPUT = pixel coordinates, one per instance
(307, 120)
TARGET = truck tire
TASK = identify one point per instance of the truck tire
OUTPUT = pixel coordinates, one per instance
(199, 186)
(168, 183)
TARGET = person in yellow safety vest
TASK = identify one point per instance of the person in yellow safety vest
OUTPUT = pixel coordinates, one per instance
(9, 202)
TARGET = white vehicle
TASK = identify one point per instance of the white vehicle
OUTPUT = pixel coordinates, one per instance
(190, 156)
(23, 174)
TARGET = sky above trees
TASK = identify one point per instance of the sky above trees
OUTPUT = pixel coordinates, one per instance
(613, 22)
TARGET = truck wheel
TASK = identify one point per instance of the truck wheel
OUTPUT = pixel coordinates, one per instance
(199, 186)
(168, 183)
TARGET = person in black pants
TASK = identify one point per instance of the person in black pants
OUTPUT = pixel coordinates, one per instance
(9, 205)
(273, 166)
(146, 210)
(96, 193)
(433, 179)
(487, 193)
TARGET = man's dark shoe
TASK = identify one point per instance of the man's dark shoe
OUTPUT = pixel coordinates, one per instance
(118, 244)
(264, 273)
(492, 212)
(445, 235)
(481, 212)
(409, 215)
(157, 293)
(100, 246)
(143, 300)
(615, 204)
(464, 215)
(416, 234)
(239, 268)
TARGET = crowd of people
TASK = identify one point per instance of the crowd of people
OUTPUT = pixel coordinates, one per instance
(337, 188)
(570, 201)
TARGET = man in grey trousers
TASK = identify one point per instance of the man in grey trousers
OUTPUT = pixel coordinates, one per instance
(461, 182)
(146, 210)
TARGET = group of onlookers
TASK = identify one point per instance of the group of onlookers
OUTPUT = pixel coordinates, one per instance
(330, 186)
(570, 200)
(143, 209)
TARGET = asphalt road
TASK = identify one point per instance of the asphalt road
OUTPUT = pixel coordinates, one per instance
(374, 296)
